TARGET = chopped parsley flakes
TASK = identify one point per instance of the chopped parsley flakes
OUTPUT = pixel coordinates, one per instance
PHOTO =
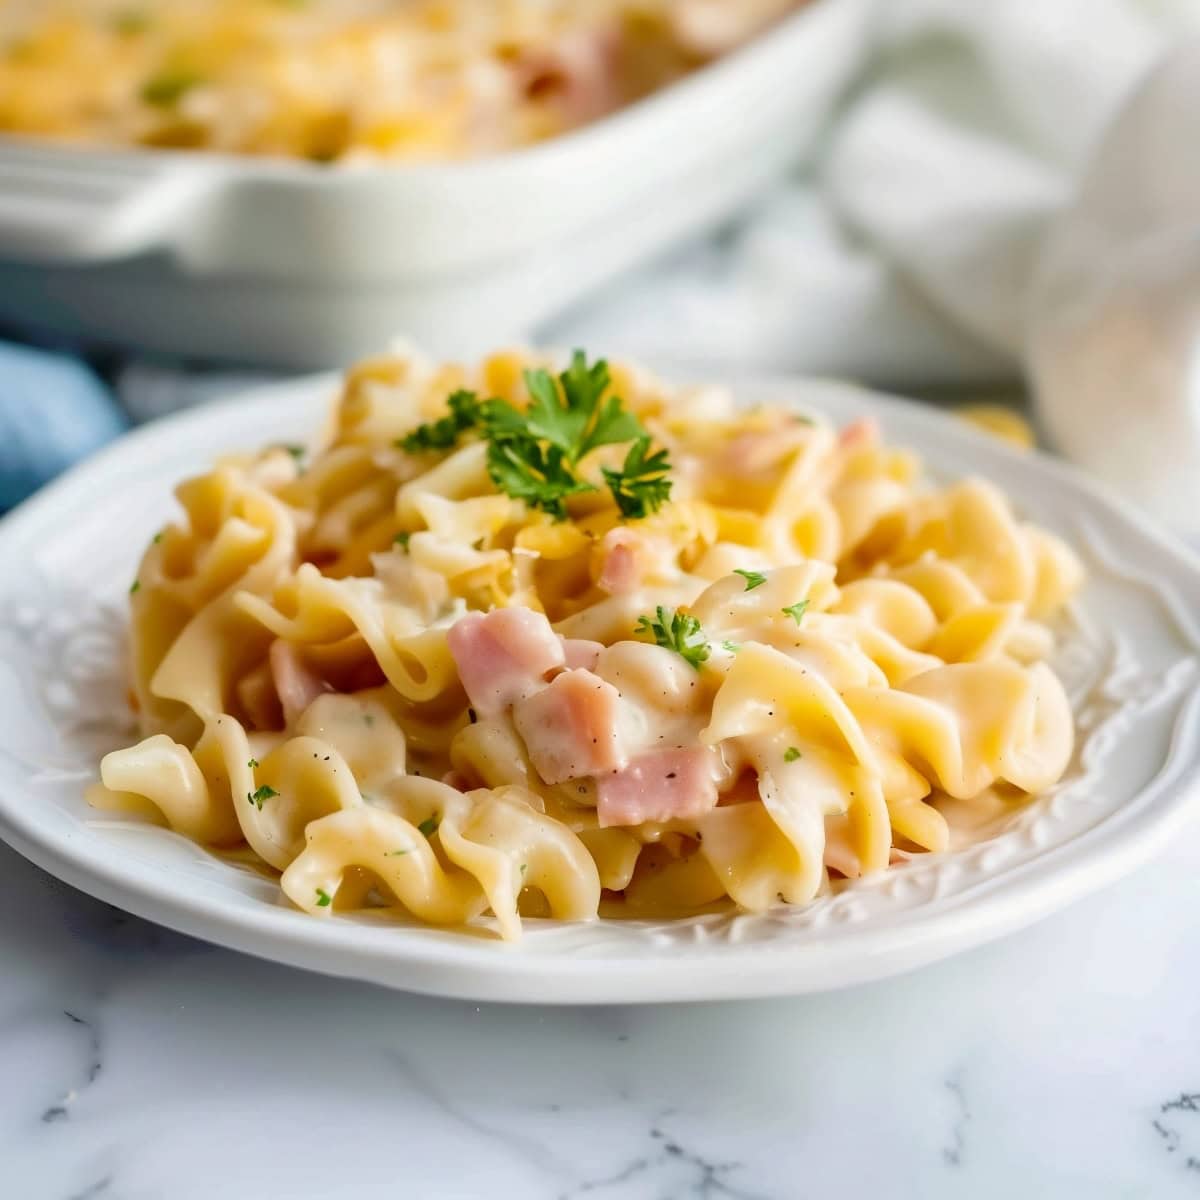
(129, 22)
(791, 754)
(260, 794)
(252, 763)
(677, 631)
(428, 826)
(795, 611)
(753, 578)
(134, 586)
(324, 899)
(167, 89)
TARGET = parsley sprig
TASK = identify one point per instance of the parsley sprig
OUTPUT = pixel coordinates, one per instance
(577, 423)
(534, 454)
(444, 433)
(641, 485)
(521, 468)
(677, 631)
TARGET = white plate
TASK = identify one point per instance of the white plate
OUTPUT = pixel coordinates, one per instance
(1130, 658)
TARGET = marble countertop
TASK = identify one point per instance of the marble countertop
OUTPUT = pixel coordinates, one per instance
(1063, 1061)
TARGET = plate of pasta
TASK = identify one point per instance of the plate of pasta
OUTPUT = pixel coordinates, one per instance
(545, 679)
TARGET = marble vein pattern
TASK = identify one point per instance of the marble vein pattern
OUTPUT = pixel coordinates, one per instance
(1063, 1061)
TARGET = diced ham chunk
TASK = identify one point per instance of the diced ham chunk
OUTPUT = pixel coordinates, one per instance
(577, 73)
(570, 727)
(503, 655)
(657, 786)
(620, 573)
(296, 683)
(860, 433)
(579, 652)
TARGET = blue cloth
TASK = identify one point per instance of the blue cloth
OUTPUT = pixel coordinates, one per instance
(54, 410)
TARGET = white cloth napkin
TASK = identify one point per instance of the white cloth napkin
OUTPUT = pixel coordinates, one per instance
(945, 235)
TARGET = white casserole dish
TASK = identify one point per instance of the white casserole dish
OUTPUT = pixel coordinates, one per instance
(294, 264)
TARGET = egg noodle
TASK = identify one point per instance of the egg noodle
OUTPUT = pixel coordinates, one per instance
(515, 643)
(342, 80)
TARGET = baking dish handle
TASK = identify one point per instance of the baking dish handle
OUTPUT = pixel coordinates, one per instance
(72, 207)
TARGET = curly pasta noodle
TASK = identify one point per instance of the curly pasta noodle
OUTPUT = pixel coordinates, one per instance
(398, 686)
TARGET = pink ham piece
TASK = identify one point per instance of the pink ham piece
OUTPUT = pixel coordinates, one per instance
(503, 655)
(296, 683)
(657, 786)
(620, 573)
(579, 652)
(570, 727)
(577, 74)
(859, 434)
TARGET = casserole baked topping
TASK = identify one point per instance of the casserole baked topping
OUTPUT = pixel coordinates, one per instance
(329, 80)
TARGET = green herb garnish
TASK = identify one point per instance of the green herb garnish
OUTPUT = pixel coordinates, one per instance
(169, 88)
(260, 794)
(252, 764)
(753, 578)
(677, 631)
(428, 826)
(533, 454)
(791, 754)
(395, 853)
(444, 433)
(641, 486)
(575, 421)
(134, 586)
(795, 611)
(401, 540)
(542, 478)
(732, 647)
(158, 537)
(130, 21)
(324, 899)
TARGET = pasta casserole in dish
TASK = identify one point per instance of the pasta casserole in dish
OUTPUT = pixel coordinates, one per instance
(348, 79)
